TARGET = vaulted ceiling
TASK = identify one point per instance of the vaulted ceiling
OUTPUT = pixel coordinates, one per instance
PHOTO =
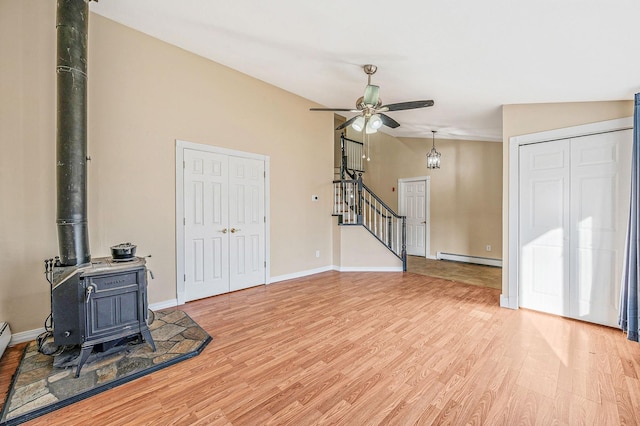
(471, 57)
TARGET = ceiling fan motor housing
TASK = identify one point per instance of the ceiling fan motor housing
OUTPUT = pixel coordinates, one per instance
(370, 69)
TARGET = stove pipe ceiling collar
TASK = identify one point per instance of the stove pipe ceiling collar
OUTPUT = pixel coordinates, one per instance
(72, 18)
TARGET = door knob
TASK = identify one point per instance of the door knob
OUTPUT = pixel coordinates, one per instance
(424, 221)
(224, 231)
(234, 230)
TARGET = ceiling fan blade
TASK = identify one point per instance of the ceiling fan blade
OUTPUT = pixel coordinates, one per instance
(371, 95)
(388, 121)
(347, 123)
(333, 109)
(406, 105)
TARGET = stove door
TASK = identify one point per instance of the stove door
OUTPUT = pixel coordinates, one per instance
(115, 305)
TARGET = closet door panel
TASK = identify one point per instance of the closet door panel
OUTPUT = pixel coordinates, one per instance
(544, 218)
(600, 175)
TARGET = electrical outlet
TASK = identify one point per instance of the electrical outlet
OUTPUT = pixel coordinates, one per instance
(317, 253)
(488, 247)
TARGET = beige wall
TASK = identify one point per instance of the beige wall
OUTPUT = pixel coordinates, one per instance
(532, 118)
(360, 249)
(143, 95)
(466, 192)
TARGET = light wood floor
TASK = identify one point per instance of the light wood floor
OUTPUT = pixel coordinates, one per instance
(468, 273)
(377, 348)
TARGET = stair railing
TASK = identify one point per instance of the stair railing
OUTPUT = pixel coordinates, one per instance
(345, 202)
(356, 204)
(351, 154)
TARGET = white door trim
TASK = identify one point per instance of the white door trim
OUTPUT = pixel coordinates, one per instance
(427, 207)
(512, 300)
(180, 147)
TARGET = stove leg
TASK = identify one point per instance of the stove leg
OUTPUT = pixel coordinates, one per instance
(85, 351)
(147, 337)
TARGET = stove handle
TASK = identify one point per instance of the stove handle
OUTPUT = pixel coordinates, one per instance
(88, 292)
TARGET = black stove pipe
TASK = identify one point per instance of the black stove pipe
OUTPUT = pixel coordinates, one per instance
(72, 20)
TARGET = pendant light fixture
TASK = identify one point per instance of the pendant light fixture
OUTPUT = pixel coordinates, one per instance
(433, 157)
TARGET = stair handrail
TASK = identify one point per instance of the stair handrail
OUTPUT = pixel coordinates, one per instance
(379, 200)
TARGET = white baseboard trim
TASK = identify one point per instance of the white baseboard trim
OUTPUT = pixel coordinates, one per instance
(171, 303)
(25, 336)
(300, 274)
(469, 259)
(308, 272)
(506, 302)
(369, 269)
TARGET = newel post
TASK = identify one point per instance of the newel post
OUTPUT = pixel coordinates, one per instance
(403, 253)
(360, 199)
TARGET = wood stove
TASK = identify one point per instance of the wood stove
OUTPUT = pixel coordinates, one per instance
(96, 306)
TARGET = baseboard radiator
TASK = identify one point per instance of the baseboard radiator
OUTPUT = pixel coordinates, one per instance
(469, 259)
(5, 336)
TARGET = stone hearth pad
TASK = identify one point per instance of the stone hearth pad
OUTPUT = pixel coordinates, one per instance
(40, 388)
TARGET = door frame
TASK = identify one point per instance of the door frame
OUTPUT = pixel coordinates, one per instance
(427, 207)
(511, 299)
(180, 147)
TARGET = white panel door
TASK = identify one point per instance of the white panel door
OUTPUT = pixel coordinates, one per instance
(544, 217)
(600, 179)
(246, 218)
(414, 207)
(224, 226)
(574, 199)
(206, 224)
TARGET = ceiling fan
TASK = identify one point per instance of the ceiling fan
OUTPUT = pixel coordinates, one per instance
(371, 111)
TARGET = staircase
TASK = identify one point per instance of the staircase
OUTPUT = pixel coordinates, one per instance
(356, 205)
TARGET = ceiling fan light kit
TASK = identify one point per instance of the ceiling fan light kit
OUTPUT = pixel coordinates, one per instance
(375, 122)
(358, 124)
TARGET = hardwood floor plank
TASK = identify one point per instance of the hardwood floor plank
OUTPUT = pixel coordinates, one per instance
(633, 389)
(582, 411)
(480, 411)
(418, 405)
(500, 410)
(540, 376)
(332, 416)
(8, 365)
(626, 411)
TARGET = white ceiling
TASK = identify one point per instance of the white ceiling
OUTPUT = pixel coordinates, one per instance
(469, 56)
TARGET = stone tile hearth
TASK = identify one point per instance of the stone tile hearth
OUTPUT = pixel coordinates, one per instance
(38, 387)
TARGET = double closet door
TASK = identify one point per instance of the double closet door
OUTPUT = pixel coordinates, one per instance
(574, 203)
(224, 225)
